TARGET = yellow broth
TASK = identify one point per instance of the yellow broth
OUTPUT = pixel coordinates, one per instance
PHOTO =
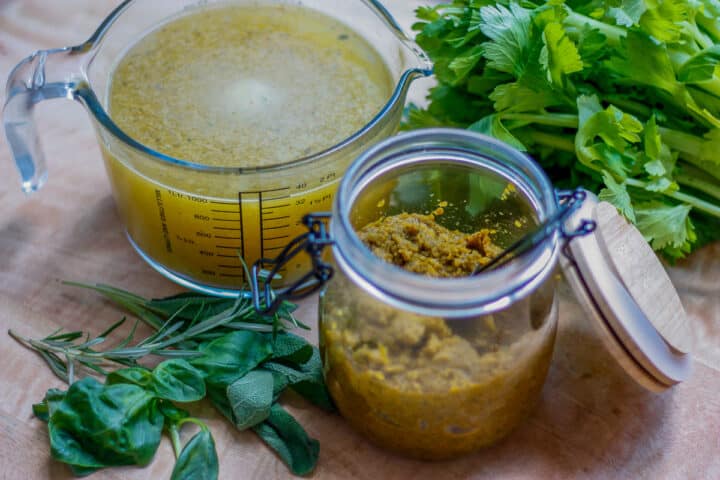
(244, 87)
(248, 85)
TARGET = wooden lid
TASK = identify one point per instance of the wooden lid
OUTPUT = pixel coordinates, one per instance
(622, 285)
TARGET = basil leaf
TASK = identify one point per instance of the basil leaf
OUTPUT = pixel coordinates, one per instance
(291, 348)
(286, 436)
(45, 409)
(82, 471)
(172, 413)
(250, 398)
(97, 426)
(231, 356)
(133, 375)
(198, 460)
(178, 381)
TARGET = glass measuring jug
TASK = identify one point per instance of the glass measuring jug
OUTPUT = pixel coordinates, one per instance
(193, 221)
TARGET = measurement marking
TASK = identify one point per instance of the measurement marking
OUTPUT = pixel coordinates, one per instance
(228, 238)
(229, 229)
(242, 242)
(268, 213)
(225, 211)
(278, 218)
(232, 275)
(234, 267)
(275, 228)
(262, 241)
(227, 247)
(277, 206)
(225, 204)
(226, 256)
(284, 237)
(273, 199)
(269, 190)
(224, 219)
(273, 248)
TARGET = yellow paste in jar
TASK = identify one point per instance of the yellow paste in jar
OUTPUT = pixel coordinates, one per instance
(425, 386)
(419, 244)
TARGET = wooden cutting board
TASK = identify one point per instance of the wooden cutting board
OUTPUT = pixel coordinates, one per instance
(592, 421)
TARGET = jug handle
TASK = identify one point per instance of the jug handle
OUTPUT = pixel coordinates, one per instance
(44, 75)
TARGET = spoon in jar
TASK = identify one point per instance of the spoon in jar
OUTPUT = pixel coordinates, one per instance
(569, 203)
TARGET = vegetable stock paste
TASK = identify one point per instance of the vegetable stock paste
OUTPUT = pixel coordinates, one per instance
(425, 386)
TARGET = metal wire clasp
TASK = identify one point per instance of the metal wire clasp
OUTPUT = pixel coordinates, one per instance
(265, 270)
(569, 201)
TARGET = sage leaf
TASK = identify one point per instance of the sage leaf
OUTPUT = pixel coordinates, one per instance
(178, 381)
(291, 348)
(280, 383)
(285, 435)
(97, 425)
(198, 460)
(306, 379)
(218, 397)
(250, 398)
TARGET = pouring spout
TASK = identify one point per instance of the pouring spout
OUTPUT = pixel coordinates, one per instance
(415, 58)
(422, 63)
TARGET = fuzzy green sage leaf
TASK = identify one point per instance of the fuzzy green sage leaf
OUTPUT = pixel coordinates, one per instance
(285, 435)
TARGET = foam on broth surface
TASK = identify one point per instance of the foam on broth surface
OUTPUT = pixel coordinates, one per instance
(248, 86)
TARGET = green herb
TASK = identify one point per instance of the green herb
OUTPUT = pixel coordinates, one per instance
(178, 381)
(250, 398)
(218, 348)
(198, 459)
(183, 322)
(286, 436)
(621, 97)
(95, 425)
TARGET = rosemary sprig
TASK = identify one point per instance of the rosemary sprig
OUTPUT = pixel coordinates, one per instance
(182, 322)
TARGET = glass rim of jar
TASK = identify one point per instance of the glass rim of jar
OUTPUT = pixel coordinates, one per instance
(85, 93)
(447, 297)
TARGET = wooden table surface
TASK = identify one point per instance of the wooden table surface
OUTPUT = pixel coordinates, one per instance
(592, 422)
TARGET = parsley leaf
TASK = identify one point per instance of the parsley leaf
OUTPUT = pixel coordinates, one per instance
(702, 66)
(492, 126)
(509, 30)
(617, 194)
(629, 12)
(622, 96)
(559, 55)
(665, 225)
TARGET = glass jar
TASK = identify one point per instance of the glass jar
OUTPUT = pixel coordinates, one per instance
(437, 367)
